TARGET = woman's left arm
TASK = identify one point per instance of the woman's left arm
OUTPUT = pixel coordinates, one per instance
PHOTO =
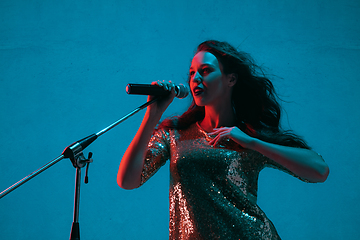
(304, 163)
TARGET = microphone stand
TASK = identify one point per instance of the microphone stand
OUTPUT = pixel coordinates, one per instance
(75, 154)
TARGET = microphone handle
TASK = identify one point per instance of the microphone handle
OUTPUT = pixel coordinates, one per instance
(146, 89)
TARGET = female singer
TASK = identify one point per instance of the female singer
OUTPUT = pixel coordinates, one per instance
(217, 148)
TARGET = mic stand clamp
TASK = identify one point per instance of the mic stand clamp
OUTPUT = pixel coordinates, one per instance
(75, 154)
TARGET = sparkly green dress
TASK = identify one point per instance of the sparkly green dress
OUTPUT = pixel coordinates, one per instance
(213, 190)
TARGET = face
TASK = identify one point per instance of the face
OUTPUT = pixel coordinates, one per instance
(209, 86)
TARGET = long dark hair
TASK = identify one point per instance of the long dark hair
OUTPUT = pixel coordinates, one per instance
(254, 99)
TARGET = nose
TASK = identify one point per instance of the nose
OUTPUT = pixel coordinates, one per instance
(197, 77)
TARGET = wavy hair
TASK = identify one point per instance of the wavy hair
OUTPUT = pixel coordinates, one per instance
(254, 99)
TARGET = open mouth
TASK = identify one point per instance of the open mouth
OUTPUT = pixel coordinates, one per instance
(197, 91)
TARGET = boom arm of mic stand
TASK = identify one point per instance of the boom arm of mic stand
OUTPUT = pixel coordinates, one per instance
(74, 150)
(32, 175)
(126, 117)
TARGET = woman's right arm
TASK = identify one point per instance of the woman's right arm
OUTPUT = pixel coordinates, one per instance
(131, 165)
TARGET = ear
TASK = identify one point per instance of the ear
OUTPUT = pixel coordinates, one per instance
(232, 79)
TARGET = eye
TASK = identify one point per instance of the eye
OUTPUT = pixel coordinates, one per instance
(206, 70)
(192, 73)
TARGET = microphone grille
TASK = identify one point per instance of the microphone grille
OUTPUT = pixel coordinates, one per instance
(182, 91)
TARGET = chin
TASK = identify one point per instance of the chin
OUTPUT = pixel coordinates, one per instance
(199, 103)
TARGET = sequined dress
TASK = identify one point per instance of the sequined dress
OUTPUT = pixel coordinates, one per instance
(213, 190)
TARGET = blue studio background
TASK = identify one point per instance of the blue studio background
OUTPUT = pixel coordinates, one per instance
(64, 66)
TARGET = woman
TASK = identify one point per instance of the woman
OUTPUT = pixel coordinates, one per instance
(217, 149)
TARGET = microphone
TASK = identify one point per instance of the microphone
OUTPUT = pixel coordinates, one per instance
(155, 90)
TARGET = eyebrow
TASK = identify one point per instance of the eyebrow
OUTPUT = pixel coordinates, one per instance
(205, 64)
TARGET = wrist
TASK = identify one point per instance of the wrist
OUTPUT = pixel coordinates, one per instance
(252, 143)
(152, 117)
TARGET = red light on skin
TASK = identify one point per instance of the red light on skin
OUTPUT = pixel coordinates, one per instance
(250, 129)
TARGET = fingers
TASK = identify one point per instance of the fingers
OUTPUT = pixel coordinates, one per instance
(221, 133)
(220, 130)
(169, 86)
(219, 136)
(214, 141)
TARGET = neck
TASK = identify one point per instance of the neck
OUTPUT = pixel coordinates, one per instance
(218, 117)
